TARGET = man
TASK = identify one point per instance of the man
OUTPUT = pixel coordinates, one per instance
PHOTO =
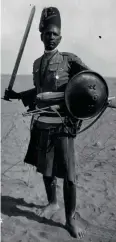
(51, 72)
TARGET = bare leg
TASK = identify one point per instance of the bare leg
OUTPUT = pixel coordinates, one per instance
(70, 204)
(52, 207)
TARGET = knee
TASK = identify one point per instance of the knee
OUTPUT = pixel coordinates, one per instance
(69, 182)
(50, 179)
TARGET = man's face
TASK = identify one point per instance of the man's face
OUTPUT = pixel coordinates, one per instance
(51, 37)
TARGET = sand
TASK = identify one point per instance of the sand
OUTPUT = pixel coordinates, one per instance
(23, 192)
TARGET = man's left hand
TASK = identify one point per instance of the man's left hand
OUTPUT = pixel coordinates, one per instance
(112, 103)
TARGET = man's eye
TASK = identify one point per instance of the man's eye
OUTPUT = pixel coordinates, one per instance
(49, 34)
(55, 34)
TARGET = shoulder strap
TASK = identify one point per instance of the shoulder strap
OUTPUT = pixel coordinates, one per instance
(67, 54)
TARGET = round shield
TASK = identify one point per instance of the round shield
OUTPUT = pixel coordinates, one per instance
(86, 95)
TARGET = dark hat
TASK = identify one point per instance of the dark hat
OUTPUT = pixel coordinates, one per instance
(49, 16)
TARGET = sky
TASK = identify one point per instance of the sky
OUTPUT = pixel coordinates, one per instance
(83, 21)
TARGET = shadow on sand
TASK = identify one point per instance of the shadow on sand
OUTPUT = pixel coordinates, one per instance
(9, 207)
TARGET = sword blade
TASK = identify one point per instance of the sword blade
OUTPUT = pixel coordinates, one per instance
(22, 46)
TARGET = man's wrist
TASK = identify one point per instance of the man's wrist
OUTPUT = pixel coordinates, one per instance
(19, 96)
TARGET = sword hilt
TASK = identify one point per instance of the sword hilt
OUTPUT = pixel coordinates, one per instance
(6, 97)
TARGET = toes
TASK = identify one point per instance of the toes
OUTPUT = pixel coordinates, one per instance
(39, 212)
(81, 234)
(44, 213)
(75, 231)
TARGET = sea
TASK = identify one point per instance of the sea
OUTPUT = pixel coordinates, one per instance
(25, 82)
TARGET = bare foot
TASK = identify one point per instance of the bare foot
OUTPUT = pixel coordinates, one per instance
(48, 210)
(74, 230)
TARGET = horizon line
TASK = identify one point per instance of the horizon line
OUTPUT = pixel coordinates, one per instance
(32, 75)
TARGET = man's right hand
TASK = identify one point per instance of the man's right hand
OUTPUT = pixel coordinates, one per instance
(10, 94)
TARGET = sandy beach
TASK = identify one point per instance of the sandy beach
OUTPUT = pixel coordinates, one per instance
(23, 192)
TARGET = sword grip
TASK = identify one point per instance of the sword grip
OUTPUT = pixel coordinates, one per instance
(6, 96)
(10, 94)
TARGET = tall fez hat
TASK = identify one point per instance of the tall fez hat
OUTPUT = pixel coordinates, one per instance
(49, 16)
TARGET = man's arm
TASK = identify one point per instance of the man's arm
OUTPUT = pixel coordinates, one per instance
(27, 97)
(76, 65)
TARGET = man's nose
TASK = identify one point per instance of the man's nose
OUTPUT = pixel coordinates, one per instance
(52, 36)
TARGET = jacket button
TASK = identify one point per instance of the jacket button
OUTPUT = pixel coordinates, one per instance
(57, 77)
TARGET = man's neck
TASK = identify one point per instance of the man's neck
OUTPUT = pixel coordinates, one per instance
(50, 51)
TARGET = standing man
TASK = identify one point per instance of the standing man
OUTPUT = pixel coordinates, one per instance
(51, 72)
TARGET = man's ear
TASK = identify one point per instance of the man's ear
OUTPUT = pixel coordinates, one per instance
(41, 36)
(60, 37)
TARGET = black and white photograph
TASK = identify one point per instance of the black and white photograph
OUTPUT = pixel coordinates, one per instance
(58, 121)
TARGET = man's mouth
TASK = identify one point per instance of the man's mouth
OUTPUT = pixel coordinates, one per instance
(51, 43)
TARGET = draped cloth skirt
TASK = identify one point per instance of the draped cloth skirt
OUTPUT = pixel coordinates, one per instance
(51, 154)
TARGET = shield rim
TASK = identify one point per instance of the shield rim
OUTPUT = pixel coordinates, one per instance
(107, 93)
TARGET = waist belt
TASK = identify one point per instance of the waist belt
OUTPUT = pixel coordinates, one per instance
(44, 122)
(56, 127)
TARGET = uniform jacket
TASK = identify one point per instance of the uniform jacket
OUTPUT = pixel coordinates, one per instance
(59, 70)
